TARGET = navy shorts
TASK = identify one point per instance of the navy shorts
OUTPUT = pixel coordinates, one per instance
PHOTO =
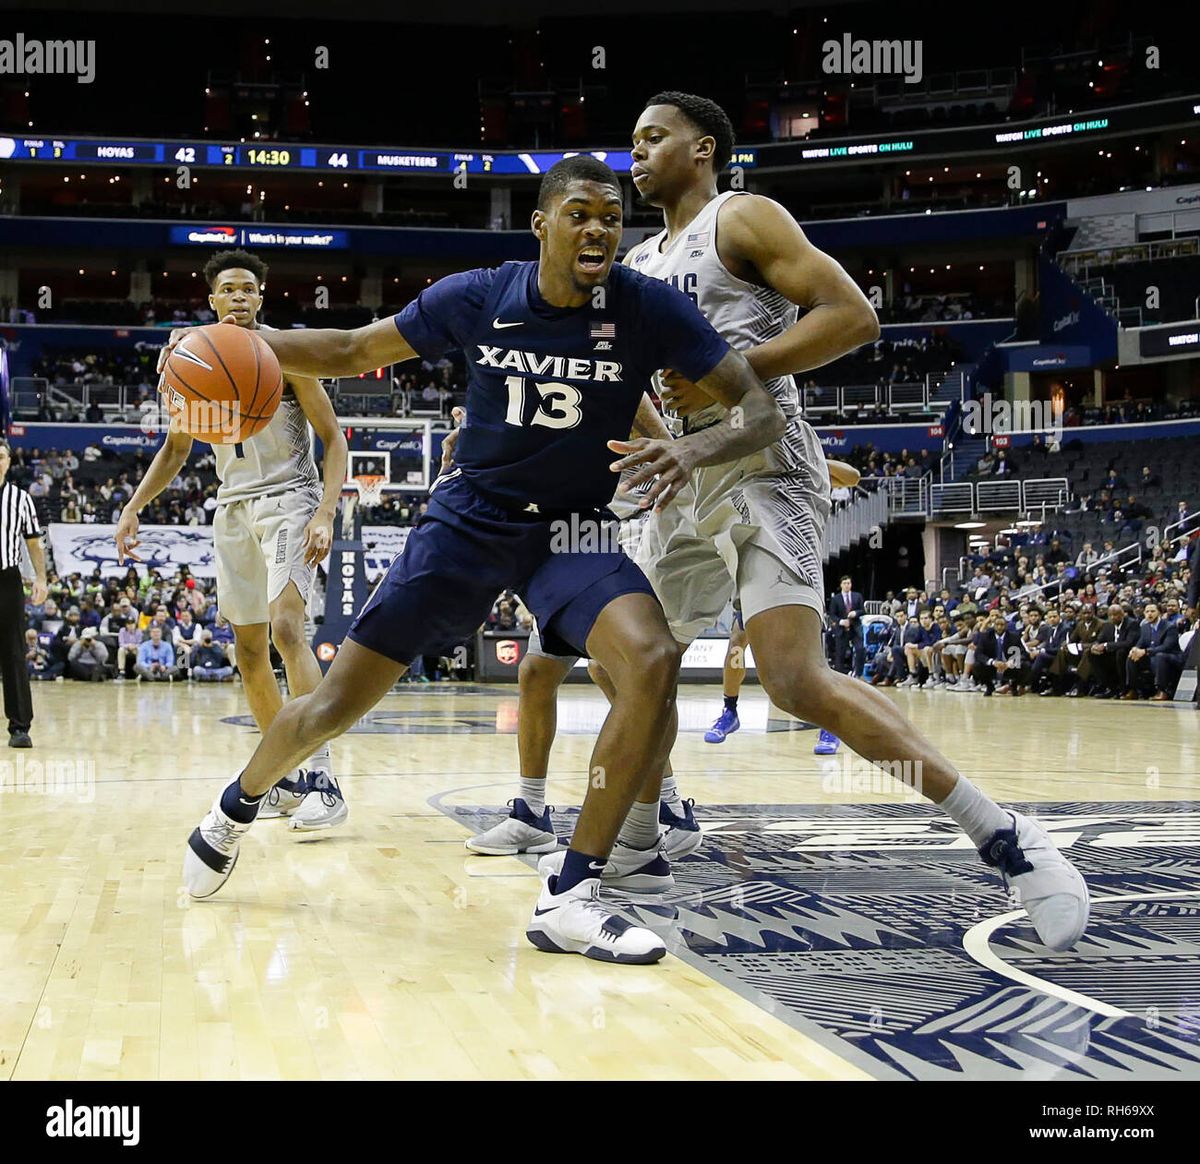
(461, 555)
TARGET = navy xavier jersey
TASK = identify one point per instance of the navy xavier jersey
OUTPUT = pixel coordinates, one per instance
(550, 386)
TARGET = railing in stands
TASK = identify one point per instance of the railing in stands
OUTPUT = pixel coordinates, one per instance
(998, 495)
(844, 399)
(951, 498)
(906, 496)
(1045, 493)
(1182, 529)
(922, 496)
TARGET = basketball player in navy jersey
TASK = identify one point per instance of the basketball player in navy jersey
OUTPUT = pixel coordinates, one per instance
(560, 353)
(755, 527)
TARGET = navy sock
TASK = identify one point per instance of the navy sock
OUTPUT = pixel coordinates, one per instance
(576, 868)
(236, 805)
(731, 703)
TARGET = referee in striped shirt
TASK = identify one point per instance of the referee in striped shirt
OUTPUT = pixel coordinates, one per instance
(18, 519)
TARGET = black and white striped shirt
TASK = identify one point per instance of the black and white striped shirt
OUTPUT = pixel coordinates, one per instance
(18, 520)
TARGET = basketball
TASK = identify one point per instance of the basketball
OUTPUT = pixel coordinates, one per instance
(221, 384)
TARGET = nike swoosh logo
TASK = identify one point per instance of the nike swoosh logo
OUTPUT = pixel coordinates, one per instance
(191, 357)
(598, 868)
(542, 912)
(498, 325)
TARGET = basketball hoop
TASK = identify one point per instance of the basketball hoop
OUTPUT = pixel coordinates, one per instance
(370, 489)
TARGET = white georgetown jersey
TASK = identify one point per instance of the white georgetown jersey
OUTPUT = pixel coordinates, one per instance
(277, 459)
(745, 314)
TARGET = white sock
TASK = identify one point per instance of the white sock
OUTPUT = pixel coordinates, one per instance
(976, 814)
(670, 796)
(640, 830)
(533, 792)
(320, 758)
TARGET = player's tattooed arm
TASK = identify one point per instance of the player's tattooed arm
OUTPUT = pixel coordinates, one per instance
(761, 242)
(648, 422)
(753, 421)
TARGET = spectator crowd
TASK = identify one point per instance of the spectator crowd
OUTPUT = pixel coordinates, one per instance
(141, 627)
(1104, 630)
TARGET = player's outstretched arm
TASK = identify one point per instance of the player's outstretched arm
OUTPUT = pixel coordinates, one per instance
(322, 353)
(753, 421)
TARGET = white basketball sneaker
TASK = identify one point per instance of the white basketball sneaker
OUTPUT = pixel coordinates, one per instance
(638, 870)
(519, 832)
(575, 922)
(323, 806)
(1051, 890)
(284, 798)
(212, 852)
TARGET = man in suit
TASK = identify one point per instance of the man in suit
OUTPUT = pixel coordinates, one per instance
(998, 652)
(1052, 637)
(845, 614)
(1156, 658)
(1103, 663)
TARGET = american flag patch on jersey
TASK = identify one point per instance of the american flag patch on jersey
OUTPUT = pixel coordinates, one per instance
(604, 331)
(699, 239)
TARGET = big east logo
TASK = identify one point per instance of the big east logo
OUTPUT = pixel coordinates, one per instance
(507, 652)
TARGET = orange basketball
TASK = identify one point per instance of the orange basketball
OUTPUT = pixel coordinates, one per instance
(221, 384)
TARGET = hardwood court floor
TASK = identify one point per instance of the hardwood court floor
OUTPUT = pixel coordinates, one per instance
(385, 950)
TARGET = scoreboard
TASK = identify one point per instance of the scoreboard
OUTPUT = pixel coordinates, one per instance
(278, 156)
(977, 141)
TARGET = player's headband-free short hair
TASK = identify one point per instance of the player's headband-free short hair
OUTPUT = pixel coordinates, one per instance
(580, 168)
(707, 116)
(234, 260)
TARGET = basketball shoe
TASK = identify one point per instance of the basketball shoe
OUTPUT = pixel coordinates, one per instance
(827, 744)
(726, 724)
(323, 806)
(1050, 888)
(575, 922)
(519, 832)
(638, 870)
(212, 851)
(681, 835)
(284, 797)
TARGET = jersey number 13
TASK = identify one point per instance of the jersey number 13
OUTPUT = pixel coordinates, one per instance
(557, 406)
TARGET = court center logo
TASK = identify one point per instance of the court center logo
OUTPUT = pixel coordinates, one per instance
(22, 57)
(874, 58)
